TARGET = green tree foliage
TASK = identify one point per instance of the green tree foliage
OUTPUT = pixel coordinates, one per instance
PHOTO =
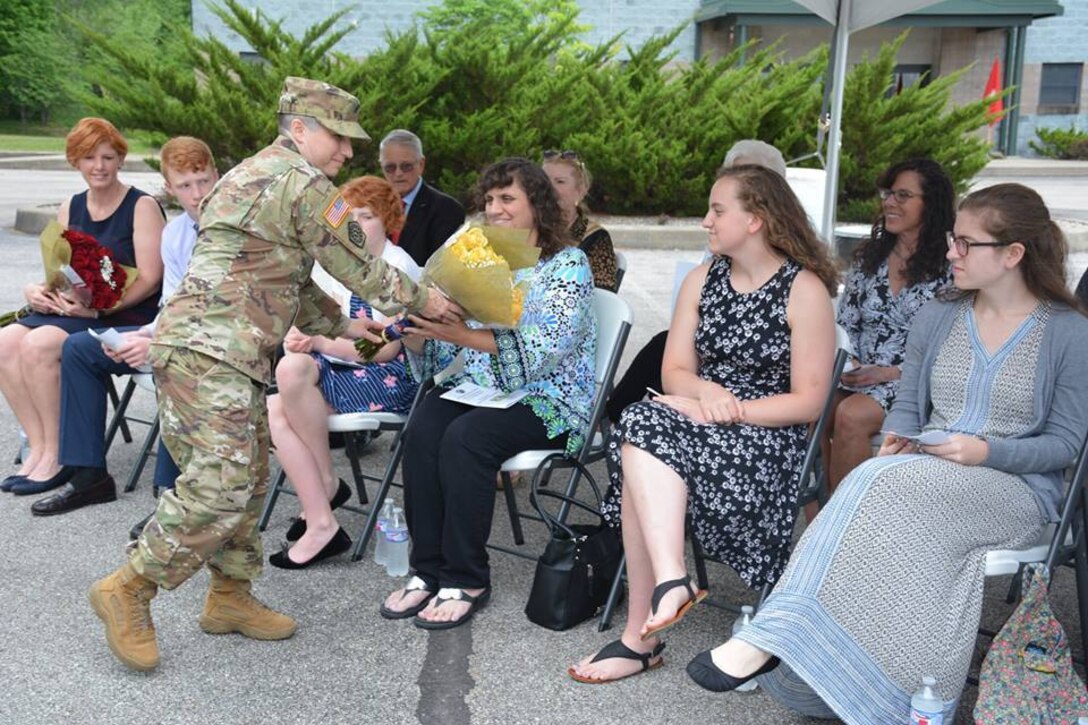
(32, 59)
(479, 80)
(1061, 143)
(880, 128)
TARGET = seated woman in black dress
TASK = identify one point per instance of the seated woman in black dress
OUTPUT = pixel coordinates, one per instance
(127, 221)
(747, 366)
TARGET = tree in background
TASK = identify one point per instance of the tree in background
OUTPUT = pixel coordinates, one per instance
(33, 60)
(482, 80)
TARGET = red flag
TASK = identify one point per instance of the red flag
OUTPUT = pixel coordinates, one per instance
(993, 85)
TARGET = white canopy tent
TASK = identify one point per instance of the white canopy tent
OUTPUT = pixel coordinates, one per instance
(848, 16)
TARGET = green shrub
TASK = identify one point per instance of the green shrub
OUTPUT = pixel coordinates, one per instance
(480, 80)
(1061, 143)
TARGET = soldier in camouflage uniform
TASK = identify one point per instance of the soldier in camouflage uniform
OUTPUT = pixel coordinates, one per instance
(261, 228)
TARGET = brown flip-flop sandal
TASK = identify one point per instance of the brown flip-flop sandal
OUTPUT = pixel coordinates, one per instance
(618, 650)
(694, 597)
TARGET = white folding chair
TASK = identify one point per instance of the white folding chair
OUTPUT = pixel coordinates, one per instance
(614, 319)
(351, 425)
(621, 269)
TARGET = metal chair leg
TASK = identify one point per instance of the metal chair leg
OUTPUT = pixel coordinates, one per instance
(120, 406)
(270, 500)
(145, 452)
(512, 508)
(613, 596)
(383, 490)
(351, 449)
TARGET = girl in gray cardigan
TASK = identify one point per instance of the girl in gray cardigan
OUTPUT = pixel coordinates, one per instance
(886, 585)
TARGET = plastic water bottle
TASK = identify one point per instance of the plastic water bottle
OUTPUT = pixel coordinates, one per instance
(745, 618)
(24, 446)
(396, 537)
(926, 707)
(381, 547)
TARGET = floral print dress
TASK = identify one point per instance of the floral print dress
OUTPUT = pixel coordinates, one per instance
(385, 387)
(877, 322)
(742, 479)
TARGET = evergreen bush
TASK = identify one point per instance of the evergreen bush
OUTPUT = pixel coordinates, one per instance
(1061, 143)
(482, 80)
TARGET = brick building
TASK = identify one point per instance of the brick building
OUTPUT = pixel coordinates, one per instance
(1042, 44)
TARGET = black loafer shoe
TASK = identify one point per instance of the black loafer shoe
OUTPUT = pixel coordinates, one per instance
(10, 481)
(29, 487)
(338, 544)
(298, 526)
(69, 499)
(706, 674)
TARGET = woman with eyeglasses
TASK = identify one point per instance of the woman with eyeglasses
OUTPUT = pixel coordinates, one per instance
(885, 586)
(571, 180)
(896, 271)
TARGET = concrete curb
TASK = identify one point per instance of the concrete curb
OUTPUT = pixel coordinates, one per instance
(32, 220)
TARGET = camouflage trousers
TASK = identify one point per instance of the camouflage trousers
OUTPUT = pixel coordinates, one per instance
(215, 424)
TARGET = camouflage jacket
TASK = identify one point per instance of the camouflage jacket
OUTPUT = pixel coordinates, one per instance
(261, 228)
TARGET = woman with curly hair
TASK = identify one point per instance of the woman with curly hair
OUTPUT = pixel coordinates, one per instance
(455, 450)
(747, 366)
(895, 272)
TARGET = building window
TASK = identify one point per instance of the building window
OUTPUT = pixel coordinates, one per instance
(1059, 89)
(905, 76)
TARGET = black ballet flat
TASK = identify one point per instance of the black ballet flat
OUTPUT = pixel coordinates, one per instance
(338, 544)
(707, 675)
(10, 481)
(298, 525)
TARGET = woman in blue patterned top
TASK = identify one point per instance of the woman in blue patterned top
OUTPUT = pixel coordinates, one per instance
(453, 450)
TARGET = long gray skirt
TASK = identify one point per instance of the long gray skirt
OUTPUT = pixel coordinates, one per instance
(885, 586)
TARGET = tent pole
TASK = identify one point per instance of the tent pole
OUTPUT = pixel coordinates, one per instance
(842, 38)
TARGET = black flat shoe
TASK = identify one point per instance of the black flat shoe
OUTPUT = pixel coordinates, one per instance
(69, 499)
(10, 481)
(30, 487)
(707, 675)
(338, 544)
(298, 526)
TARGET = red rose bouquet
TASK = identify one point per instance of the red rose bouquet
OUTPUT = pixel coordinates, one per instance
(80, 268)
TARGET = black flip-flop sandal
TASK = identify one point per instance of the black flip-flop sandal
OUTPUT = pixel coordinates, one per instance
(455, 595)
(618, 650)
(415, 584)
(694, 597)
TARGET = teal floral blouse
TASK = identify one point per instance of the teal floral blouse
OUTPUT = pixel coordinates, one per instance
(551, 352)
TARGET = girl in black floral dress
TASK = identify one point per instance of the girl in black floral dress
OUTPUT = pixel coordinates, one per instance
(747, 364)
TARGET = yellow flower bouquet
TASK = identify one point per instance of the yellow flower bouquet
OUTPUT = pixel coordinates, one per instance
(476, 270)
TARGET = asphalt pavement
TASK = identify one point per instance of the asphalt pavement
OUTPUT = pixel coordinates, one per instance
(346, 664)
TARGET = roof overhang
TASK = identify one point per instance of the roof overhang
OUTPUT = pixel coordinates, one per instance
(951, 13)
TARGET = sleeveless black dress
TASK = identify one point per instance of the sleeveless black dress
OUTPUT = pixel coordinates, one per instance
(115, 233)
(742, 479)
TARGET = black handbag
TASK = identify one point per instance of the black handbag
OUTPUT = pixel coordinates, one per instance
(575, 572)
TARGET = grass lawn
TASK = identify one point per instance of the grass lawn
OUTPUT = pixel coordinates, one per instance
(17, 138)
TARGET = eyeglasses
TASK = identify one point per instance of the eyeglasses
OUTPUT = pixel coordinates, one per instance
(568, 155)
(405, 167)
(901, 195)
(963, 245)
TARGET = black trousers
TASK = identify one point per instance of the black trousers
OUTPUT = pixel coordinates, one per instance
(452, 456)
(644, 372)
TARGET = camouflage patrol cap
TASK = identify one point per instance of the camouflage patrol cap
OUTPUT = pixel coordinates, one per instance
(335, 109)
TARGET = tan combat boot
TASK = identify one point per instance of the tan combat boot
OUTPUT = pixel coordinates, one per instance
(230, 607)
(123, 602)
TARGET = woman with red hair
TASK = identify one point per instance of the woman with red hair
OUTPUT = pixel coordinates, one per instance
(313, 383)
(127, 221)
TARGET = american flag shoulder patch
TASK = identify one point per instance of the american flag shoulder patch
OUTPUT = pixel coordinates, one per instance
(336, 212)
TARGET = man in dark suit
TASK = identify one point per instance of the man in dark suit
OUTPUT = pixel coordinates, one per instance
(432, 215)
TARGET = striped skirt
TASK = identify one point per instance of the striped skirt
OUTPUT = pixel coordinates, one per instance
(885, 586)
